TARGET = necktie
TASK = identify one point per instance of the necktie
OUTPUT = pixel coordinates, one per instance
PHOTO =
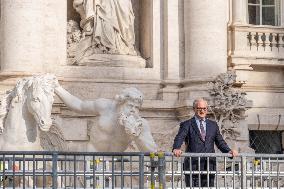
(202, 130)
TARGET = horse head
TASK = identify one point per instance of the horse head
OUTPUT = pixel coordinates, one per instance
(40, 99)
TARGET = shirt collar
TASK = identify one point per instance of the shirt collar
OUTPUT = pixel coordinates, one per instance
(197, 118)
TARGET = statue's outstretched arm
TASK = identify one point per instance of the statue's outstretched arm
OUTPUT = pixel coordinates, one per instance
(78, 105)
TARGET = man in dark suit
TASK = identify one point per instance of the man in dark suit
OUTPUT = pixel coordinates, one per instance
(200, 135)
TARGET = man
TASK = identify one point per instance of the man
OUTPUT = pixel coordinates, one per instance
(200, 134)
(118, 124)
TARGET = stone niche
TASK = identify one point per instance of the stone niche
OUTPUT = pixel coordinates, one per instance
(142, 27)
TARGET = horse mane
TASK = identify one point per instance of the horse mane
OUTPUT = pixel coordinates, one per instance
(16, 95)
(7, 100)
(4, 109)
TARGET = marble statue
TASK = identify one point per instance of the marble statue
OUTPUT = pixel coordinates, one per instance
(107, 27)
(228, 106)
(25, 116)
(119, 123)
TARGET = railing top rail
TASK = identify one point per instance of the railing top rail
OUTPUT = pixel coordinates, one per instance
(73, 153)
(2, 153)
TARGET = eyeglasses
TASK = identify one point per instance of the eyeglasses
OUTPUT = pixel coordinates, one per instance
(199, 109)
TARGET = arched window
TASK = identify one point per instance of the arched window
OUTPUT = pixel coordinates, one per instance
(264, 12)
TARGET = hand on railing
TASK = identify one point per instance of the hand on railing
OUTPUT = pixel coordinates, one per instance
(177, 152)
(234, 153)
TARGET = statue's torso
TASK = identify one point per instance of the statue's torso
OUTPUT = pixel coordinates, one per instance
(108, 136)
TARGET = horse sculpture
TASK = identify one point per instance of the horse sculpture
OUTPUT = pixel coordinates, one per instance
(25, 116)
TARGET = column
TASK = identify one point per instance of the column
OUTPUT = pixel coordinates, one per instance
(205, 38)
(33, 35)
(172, 48)
(21, 43)
(239, 11)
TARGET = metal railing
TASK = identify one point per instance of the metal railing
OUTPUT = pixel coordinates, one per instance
(138, 170)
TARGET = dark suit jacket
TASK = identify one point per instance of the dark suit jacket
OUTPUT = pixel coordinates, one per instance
(190, 134)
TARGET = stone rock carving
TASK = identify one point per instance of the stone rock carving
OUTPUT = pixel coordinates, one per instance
(118, 123)
(74, 36)
(228, 105)
(25, 113)
(107, 27)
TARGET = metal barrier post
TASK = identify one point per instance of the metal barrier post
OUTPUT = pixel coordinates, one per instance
(161, 170)
(243, 172)
(54, 170)
(141, 171)
(153, 166)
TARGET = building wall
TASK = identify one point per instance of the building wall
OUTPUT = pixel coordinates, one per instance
(186, 44)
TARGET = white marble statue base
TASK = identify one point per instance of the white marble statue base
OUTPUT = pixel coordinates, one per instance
(111, 60)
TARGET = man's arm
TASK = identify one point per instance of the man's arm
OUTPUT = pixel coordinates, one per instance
(179, 139)
(222, 145)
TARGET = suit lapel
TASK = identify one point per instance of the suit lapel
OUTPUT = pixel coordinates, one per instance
(196, 129)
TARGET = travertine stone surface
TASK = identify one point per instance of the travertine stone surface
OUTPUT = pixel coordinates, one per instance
(30, 31)
(183, 45)
(205, 37)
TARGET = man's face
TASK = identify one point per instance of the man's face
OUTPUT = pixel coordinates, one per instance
(131, 107)
(200, 109)
(130, 119)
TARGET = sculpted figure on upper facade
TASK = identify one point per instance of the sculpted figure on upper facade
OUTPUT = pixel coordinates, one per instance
(108, 27)
(119, 123)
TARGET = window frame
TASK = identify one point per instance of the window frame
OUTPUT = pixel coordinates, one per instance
(277, 12)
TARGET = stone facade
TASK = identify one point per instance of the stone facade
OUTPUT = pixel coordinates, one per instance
(181, 47)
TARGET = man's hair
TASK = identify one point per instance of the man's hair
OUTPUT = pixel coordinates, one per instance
(198, 100)
(131, 94)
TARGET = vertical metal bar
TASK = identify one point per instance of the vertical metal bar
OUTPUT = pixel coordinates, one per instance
(243, 171)
(24, 171)
(4, 175)
(104, 167)
(199, 174)
(43, 172)
(112, 173)
(122, 168)
(54, 170)
(34, 176)
(74, 173)
(182, 171)
(217, 180)
(131, 173)
(141, 171)
(84, 168)
(278, 171)
(152, 164)
(172, 171)
(161, 170)
(190, 174)
(234, 169)
(261, 171)
(94, 172)
(65, 169)
(13, 169)
(269, 172)
(225, 171)
(207, 174)
(253, 175)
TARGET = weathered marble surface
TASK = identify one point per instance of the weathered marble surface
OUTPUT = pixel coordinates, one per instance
(118, 121)
(25, 115)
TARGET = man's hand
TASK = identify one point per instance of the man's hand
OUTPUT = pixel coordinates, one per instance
(177, 152)
(234, 153)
